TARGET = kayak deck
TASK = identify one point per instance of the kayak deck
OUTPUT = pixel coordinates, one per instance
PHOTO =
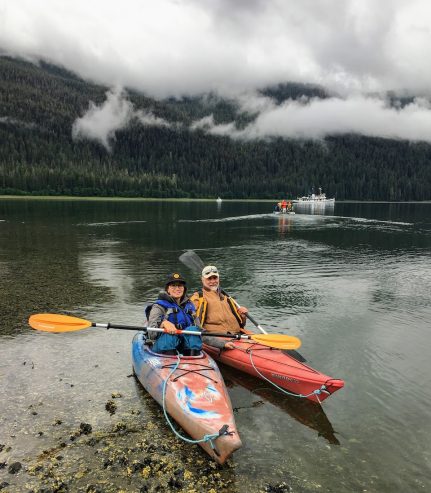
(279, 368)
(195, 396)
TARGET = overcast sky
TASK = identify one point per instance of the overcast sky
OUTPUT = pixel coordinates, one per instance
(356, 49)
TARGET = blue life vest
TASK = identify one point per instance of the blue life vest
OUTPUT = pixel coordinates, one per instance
(181, 317)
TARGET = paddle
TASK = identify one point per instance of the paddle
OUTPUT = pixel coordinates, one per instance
(192, 260)
(50, 322)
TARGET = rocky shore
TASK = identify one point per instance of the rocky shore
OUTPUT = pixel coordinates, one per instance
(133, 456)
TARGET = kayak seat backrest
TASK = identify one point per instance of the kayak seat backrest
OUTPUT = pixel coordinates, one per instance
(147, 313)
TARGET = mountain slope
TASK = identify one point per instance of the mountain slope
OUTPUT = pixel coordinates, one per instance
(38, 105)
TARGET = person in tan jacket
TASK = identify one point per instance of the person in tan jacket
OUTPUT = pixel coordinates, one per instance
(216, 310)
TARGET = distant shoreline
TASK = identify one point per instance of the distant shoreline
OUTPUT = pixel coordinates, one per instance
(173, 199)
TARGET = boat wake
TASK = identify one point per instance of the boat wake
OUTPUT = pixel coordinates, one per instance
(304, 218)
(375, 221)
(110, 223)
(226, 219)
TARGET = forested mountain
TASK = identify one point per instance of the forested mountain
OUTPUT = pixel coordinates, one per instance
(38, 105)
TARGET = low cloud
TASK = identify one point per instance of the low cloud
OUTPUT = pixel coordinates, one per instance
(148, 119)
(15, 122)
(101, 122)
(317, 118)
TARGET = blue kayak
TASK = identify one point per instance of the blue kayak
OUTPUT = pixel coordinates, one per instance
(191, 390)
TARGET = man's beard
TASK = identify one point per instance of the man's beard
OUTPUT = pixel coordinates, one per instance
(213, 288)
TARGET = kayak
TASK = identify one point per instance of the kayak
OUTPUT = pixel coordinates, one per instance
(279, 368)
(195, 396)
(280, 213)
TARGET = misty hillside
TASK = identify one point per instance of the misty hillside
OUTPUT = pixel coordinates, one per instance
(39, 105)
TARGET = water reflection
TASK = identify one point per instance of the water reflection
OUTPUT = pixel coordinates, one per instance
(302, 410)
(284, 224)
(322, 208)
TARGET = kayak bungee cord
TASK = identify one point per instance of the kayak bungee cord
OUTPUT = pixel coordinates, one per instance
(206, 438)
(316, 392)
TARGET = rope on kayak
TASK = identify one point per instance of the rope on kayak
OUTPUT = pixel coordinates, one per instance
(206, 438)
(316, 392)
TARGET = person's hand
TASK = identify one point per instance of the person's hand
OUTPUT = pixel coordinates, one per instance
(229, 345)
(168, 327)
(242, 310)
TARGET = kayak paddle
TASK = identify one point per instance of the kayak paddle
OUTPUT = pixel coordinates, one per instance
(50, 322)
(192, 260)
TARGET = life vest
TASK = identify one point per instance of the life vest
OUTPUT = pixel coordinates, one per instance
(181, 316)
(201, 310)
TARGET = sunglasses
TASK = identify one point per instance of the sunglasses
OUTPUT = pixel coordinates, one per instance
(213, 270)
(177, 285)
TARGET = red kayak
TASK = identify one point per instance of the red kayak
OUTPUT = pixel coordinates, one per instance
(279, 368)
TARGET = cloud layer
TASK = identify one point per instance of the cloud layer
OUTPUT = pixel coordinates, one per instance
(174, 47)
(186, 47)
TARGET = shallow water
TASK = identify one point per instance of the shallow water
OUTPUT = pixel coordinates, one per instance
(352, 281)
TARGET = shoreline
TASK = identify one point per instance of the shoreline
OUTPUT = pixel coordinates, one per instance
(177, 199)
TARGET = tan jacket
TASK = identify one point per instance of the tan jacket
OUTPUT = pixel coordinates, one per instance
(219, 316)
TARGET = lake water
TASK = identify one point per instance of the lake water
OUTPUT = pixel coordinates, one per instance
(352, 281)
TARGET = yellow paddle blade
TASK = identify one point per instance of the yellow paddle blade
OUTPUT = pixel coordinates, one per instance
(279, 341)
(49, 322)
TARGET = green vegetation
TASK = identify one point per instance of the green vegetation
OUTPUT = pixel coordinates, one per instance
(38, 105)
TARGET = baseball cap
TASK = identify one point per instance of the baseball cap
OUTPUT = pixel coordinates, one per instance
(210, 270)
(174, 277)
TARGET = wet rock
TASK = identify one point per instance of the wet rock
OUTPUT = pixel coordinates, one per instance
(39, 433)
(14, 468)
(57, 422)
(123, 460)
(108, 463)
(120, 427)
(60, 487)
(92, 442)
(85, 428)
(278, 488)
(34, 413)
(175, 483)
(116, 395)
(93, 489)
(111, 407)
(137, 466)
(4, 484)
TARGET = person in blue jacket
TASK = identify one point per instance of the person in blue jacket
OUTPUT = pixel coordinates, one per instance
(171, 311)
